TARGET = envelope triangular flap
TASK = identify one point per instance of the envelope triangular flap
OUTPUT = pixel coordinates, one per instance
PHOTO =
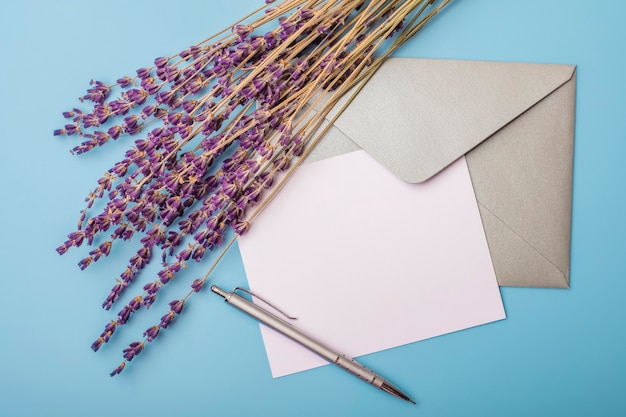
(451, 107)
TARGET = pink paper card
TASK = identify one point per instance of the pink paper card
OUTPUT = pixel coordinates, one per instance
(367, 262)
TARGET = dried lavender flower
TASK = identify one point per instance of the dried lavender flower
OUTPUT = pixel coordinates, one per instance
(210, 129)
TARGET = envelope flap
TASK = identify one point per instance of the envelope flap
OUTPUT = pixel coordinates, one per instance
(417, 116)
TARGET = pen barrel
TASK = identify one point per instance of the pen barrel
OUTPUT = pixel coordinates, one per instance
(359, 370)
(296, 335)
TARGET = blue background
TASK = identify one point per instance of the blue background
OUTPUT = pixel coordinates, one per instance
(559, 352)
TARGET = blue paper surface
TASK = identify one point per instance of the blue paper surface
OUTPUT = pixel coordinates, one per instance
(559, 352)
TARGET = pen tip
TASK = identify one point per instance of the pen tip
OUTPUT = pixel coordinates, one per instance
(387, 387)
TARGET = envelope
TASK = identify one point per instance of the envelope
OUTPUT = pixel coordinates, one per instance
(514, 122)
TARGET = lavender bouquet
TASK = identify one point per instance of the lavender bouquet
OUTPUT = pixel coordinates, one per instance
(219, 128)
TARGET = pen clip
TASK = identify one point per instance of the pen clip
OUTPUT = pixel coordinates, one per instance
(265, 301)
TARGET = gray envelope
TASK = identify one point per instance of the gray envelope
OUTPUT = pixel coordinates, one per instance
(515, 124)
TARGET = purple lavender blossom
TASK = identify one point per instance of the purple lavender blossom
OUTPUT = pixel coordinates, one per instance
(198, 284)
(152, 287)
(95, 346)
(149, 299)
(119, 369)
(167, 319)
(143, 73)
(124, 315)
(98, 93)
(115, 131)
(241, 227)
(114, 295)
(151, 333)
(133, 350)
(135, 304)
(105, 335)
(211, 128)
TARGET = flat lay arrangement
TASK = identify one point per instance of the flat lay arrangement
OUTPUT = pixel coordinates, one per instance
(423, 195)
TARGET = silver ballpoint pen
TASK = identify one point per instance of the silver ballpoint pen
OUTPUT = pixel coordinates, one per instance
(320, 349)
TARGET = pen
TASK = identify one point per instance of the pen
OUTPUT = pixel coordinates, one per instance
(320, 349)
